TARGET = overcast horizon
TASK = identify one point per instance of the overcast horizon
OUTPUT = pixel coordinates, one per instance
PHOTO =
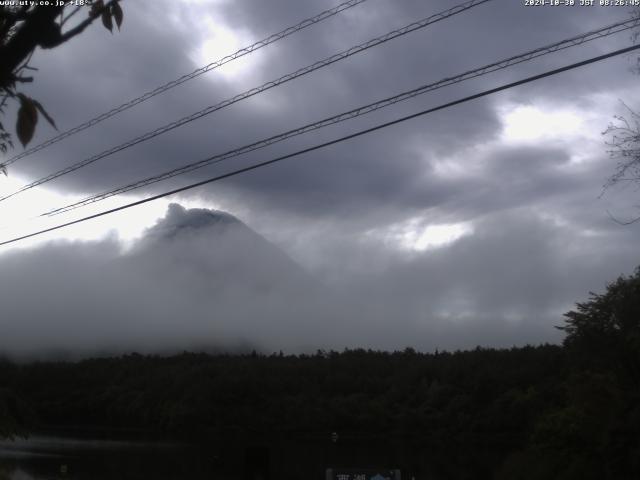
(480, 224)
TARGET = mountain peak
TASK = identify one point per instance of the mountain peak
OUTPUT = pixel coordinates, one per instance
(221, 249)
(180, 220)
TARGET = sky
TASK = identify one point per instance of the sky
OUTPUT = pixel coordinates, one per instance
(480, 224)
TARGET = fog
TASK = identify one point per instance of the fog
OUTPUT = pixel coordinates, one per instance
(203, 280)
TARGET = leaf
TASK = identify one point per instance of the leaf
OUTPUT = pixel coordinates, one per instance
(44, 113)
(106, 20)
(27, 119)
(96, 8)
(116, 10)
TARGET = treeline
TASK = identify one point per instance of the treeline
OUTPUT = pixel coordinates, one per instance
(356, 390)
(526, 411)
(562, 412)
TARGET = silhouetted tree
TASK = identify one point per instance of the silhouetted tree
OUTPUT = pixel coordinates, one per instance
(606, 328)
(624, 147)
(624, 141)
(23, 28)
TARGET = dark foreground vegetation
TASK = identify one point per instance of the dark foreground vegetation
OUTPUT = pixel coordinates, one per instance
(562, 412)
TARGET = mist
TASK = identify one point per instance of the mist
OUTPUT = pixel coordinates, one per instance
(203, 280)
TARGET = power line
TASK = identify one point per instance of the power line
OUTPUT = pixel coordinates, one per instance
(538, 52)
(332, 142)
(254, 91)
(184, 78)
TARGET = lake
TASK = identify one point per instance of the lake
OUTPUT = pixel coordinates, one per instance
(86, 456)
(48, 457)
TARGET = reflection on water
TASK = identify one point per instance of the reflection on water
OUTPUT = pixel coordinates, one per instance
(51, 457)
(266, 457)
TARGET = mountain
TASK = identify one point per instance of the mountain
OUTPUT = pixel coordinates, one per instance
(197, 279)
(225, 252)
(179, 221)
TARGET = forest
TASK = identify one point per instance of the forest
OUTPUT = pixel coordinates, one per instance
(550, 411)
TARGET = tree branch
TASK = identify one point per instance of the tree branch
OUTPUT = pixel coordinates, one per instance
(78, 29)
(68, 17)
(620, 222)
(33, 31)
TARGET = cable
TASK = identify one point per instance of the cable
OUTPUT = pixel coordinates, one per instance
(609, 30)
(303, 71)
(332, 142)
(254, 91)
(196, 73)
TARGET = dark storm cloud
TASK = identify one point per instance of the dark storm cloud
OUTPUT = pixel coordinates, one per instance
(155, 48)
(541, 238)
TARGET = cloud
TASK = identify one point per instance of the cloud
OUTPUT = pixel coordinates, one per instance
(155, 46)
(201, 279)
(196, 279)
(519, 173)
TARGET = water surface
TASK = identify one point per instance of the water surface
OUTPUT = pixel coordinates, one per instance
(45, 457)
